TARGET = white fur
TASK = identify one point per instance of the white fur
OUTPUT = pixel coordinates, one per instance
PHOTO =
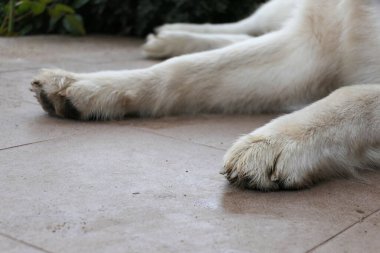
(316, 47)
(169, 44)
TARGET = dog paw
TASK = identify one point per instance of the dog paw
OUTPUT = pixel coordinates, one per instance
(183, 27)
(156, 46)
(172, 28)
(90, 96)
(52, 90)
(165, 45)
(270, 162)
(252, 163)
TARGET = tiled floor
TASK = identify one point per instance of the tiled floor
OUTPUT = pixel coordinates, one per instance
(149, 185)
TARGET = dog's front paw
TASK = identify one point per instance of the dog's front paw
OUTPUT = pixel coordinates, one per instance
(93, 96)
(270, 162)
(252, 162)
(51, 88)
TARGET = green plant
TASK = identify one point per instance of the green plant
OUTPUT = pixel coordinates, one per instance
(24, 17)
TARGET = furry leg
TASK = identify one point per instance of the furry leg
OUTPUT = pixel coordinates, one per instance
(170, 44)
(333, 137)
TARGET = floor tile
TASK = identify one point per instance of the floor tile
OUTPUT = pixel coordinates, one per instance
(148, 185)
(119, 188)
(26, 123)
(362, 237)
(219, 131)
(14, 87)
(71, 53)
(8, 245)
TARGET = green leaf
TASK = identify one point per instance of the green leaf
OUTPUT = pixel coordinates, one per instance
(63, 9)
(23, 7)
(56, 12)
(79, 3)
(46, 1)
(37, 8)
(74, 24)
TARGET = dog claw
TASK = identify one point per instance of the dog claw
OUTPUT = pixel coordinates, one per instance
(36, 84)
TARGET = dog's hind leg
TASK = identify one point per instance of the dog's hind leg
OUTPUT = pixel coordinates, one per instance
(170, 44)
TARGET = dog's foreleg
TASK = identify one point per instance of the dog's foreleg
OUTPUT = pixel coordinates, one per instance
(274, 72)
(336, 136)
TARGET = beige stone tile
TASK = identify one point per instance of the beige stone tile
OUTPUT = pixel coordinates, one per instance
(148, 185)
(219, 131)
(362, 237)
(24, 123)
(52, 47)
(120, 189)
(70, 53)
(14, 88)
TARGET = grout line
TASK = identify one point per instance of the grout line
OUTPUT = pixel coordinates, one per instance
(134, 127)
(27, 144)
(177, 139)
(24, 243)
(341, 232)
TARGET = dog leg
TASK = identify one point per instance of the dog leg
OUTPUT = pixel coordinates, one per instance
(333, 137)
(170, 44)
(275, 72)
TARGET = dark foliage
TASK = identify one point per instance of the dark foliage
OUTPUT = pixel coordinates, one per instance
(127, 17)
(21, 17)
(139, 17)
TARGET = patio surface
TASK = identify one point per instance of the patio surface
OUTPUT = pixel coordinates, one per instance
(149, 185)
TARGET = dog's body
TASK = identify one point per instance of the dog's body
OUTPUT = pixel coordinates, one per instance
(309, 49)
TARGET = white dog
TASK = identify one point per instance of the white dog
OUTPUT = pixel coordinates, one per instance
(306, 50)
